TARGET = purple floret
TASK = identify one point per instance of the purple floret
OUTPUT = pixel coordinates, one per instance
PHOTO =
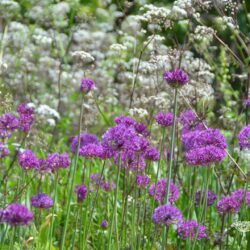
(143, 180)
(26, 116)
(85, 139)
(167, 215)
(17, 214)
(200, 196)
(28, 160)
(228, 204)
(176, 78)
(87, 85)
(164, 119)
(8, 123)
(244, 138)
(205, 156)
(56, 161)
(4, 151)
(81, 192)
(188, 229)
(159, 191)
(42, 201)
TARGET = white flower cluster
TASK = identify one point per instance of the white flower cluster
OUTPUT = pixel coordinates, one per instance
(83, 56)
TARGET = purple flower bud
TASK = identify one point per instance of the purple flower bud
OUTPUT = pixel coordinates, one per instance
(176, 78)
(81, 192)
(41, 200)
(104, 224)
(164, 119)
(87, 85)
(28, 160)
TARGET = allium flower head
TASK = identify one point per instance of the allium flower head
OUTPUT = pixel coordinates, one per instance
(164, 119)
(189, 229)
(28, 160)
(81, 192)
(87, 84)
(42, 201)
(4, 151)
(244, 138)
(26, 116)
(16, 214)
(152, 154)
(92, 151)
(125, 120)
(228, 204)
(104, 224)
(56, 161)
(167, 215)
(143, 180)
(200, 196)
(176, 78)
(8, 123)
(85, 139)
(159, 191)
(241, 195)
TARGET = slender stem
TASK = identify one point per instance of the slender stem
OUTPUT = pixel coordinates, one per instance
(164, 238)
(114, 216)
(72, 178)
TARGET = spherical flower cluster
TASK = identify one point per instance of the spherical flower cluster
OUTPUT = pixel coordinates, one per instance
(92, 151)
(87, 84)
(176, 78)
(167, 215)
(127, 142)
(8, 124)
(164, 119)
(81, 192)
(188, 229)
(104, 224)
(16, 214)
(42, 200)
(142, 180)
(4, 151)
(242, 196)
(200, 196)
(56, 161)
(85, 139)
(228, 204)
(28, 160)
(26, 116)
(244, 138)
(159, 191)
(204, 147)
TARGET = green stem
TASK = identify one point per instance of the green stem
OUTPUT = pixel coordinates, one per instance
(72, 178)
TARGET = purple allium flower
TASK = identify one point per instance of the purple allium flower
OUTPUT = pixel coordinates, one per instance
(85, 139)
(152, 154)
(189, 229)
(167, 215)
(104, 224)
(200, 196)
(131, 160)
(228, 204)
(42, 201)
(143, 180)
(100, 181)
(28, 160)
(26, 116)
(4, 151)
(107, 187)
(56, 161)
(241, 195)
(159, 191)
(87, 85)
(92, 151)
(205, 156)
(81, 192)
(17, 214)
(176, 78)
(244, 138)
(8, 123)
(247, 102)
(164, 119)
(199, 139)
